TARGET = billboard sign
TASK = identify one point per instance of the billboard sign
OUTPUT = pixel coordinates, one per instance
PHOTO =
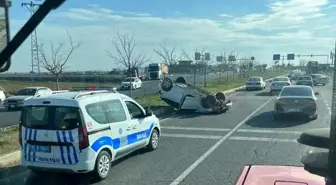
(219, 58)
(232, 58)
(290, 56)
(197, 56)
(276, 57)
(207, 56)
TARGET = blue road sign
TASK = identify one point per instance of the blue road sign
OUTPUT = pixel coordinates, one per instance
(290, 56)
(276, 57)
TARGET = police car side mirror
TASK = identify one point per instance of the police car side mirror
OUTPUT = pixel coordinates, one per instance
(149, 112)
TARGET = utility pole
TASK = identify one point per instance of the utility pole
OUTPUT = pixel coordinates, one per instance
(332, 149)
(35, 63)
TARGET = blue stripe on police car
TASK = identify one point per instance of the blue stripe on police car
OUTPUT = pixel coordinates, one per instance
(116, 143)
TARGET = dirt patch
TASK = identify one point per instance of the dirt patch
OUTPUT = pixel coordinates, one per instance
(9, 141)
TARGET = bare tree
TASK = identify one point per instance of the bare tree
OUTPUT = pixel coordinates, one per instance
(60, 56)
(302, 64)
(124, 55)
(168, 56)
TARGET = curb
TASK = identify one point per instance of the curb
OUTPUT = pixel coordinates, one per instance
(13, 158)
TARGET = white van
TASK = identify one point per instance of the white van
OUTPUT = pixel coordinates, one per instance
(82, 132)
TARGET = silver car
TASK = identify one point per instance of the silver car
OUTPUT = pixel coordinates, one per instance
(16, 101)
(296, 100)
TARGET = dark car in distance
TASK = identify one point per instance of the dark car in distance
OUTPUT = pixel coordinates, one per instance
(296, 100)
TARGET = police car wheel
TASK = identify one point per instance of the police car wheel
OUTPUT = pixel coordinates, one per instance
(103, 165)
(154, 140)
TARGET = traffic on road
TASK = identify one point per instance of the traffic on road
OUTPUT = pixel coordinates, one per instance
(198, 148)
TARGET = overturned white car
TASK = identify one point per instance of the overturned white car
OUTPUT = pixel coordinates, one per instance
(183, 96)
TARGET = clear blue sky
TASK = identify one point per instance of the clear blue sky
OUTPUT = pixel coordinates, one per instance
(249, 28)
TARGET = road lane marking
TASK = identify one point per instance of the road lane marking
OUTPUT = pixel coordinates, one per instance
(192, 136)
(250, 98)
(193, 166)
(269, 131)
(196, 128)
(263, 139)
(260, 131)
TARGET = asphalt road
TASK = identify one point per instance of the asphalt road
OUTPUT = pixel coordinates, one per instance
(205, 149)
(149, 87)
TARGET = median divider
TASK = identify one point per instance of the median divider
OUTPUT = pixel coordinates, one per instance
(13, 158)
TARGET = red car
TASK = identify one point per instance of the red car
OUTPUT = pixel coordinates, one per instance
(315, 160)
(277, 175)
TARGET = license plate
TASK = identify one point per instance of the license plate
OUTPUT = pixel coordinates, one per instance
(39, 148)
(12, 106)
(294, 110)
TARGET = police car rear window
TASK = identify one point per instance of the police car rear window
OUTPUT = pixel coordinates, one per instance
(50, 117)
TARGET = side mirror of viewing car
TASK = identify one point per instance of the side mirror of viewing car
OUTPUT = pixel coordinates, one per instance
(316, 93)
(149, 112)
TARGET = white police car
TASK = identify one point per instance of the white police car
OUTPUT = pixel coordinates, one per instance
(82, 132)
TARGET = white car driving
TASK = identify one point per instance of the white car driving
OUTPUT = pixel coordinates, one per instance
(319, 79)
(278, 83)
(255, 82)
(183, 96)
(131, 82)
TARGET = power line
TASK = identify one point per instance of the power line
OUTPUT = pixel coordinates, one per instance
(35, 63)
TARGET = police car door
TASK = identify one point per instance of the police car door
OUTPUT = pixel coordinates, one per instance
(141, 126)
(119, 126)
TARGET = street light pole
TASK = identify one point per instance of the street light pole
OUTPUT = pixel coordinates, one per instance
(332, 149)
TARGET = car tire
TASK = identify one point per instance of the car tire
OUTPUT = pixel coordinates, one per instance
(210, 101)
(323, 84)
(275, 116)
(181, 80)
(247, 89)
(167, 84)
(204, 104)
(220, 96)
(103, 159)
(314, 117)
(154, 140)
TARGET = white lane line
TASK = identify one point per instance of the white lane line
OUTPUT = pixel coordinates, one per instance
(192, 136)
(326, 104)
(263, 139)
(269, 131)
(250, 98)
(192, 167)
(227, 130)
(196, 128)
(164, 119)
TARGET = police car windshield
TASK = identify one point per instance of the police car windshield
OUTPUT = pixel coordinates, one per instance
(26, 92)
(296, 91)
(50, 117)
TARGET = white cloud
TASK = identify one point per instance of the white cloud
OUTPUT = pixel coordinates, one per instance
(287, 27)
(225, 15)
